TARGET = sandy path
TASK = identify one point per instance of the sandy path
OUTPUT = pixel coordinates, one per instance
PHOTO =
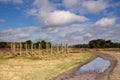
(116, 72)
(90, 75)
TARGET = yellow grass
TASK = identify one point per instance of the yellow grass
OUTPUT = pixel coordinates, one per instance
(28, 69)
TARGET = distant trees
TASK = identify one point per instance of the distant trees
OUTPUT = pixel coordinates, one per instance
(4, 45)
(43, 44)
(99, 43)
(81, 46)
(28, 42)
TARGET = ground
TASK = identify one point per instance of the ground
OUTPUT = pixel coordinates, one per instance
(116, 72)
(28, 69)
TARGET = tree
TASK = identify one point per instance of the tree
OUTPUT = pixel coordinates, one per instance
(29, 42)
(3, 44)
(98, 43)
(43, 44)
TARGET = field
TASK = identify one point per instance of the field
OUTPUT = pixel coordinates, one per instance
(21, 68)
(49, 65)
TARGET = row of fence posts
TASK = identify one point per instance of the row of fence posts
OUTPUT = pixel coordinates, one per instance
(50, 49)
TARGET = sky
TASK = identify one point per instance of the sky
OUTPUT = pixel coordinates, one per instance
(67, 21)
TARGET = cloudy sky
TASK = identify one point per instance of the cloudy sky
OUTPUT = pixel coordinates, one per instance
(71, 21)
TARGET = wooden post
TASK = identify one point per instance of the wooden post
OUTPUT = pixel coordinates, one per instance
(17, 48)
(20, 49)
(14, 48)
(28, 46)
(39, 48)
(66, 48)
(61, 48)
(51, 49)
(26, 49)
(32, 48)
(46, 47)
(11, 46)
(57, 48)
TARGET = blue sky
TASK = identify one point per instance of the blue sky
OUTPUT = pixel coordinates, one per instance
(71, 21)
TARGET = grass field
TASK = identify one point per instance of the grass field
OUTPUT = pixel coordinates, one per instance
(29, 69)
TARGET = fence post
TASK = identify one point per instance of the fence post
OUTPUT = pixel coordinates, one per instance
(39, 48)
(31, 48)
(67, 48)
(61, 48)
(57, 49)
(20, 48)
(26, 49)
(47, 47)
(39, 51)
(14, 48)
(11, 46)
(51, 49)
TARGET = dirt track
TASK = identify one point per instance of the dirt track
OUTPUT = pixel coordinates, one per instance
(116, 72)
(70, 75)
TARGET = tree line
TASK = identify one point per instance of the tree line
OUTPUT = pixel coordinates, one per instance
(29, 42)
(99, 43)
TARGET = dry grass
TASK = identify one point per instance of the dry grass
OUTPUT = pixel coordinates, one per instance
(28, 69)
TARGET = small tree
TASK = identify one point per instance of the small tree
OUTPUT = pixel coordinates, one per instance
(43, 44)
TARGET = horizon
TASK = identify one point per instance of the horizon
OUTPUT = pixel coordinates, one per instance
(60, 42)
(66, 21)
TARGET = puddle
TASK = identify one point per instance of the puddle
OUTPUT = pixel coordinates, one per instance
(98, 65)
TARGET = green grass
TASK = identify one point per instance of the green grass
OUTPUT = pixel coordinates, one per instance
(64, 66)
(28, 69)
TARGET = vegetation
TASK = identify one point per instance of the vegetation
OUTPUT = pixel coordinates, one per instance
(26, 69)
(4, 45)
(29, 42)
(38, 50)
(99, 43)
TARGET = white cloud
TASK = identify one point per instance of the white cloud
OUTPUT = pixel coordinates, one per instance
(95, 6)
(18, 34)
(57, 18)
(32, 12)
(23, 36)
(43, 5)
(66, 30)
(88, 35)
(52, 30)
(44, 11)
(105, 22)
(43, 36)
(70, 3)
